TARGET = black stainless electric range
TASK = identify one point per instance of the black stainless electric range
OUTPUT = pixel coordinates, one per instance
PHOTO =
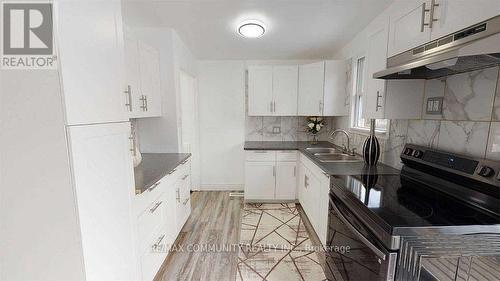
(439, 219)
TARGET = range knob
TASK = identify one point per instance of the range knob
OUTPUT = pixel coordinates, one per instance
(408, 151)
(418, 153)
(486, 172)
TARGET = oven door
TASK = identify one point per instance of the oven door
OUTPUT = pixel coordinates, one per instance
(352, 251)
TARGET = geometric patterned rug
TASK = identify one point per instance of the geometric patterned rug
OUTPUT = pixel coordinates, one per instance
(275, 246)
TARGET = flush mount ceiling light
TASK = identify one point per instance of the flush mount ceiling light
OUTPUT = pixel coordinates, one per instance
(251, 29)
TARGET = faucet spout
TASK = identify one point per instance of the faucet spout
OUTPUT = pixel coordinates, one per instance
(346, 149)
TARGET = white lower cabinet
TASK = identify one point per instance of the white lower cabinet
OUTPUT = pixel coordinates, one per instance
(270, 175)
(314, 189)
(162, 210)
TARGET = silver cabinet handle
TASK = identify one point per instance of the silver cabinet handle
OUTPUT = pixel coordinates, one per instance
(129, 98)
(306, 182)
(143, 100)
(185, 201)
(185, 177)
(133, 150)
(146, 102)
(274, 171)
(431, 14)
(295, 171)
(424, 11)
(155, 245)
(152, 210)
(153, 186)
(274, 106)
(377, 106)
(178, 195)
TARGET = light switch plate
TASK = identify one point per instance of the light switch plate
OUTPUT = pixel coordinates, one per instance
(434, 106)
(276, 130)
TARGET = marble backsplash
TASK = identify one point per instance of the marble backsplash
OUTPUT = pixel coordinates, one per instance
(469, 124)
(292, 128)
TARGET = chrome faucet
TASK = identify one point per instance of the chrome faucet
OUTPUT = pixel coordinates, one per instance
(345, 149)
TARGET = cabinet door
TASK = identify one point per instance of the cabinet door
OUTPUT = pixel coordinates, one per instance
(312, 193)
(453, 15)
(260, 180)
(285, 83)
(407, 28)
(336, 96)
(104, 188)
(323, 202)
(150, 96)
(311, 85)
(260, 90)
(301, 185)
(286, 180)
(132, 75)
(91, 61)
(376, 60)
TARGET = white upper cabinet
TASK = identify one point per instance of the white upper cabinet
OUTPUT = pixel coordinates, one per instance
(375, 60)
(149, 66)
(260, 90)
(311, 86)
(285, 83)
(453, 15)
(336, 99)
(407, 26)
(142, 72)
(90, 45)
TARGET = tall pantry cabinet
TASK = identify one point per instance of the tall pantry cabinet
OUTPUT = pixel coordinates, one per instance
(67, 155)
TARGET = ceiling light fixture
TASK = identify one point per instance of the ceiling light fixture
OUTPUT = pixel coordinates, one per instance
(251, 29)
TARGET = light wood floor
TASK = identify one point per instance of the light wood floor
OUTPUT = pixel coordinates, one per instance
(214, 221)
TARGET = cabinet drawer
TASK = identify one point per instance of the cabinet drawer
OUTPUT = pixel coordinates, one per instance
(150, 221)
(144, 200)
(286, 155)
(153, 257)
(261, 155)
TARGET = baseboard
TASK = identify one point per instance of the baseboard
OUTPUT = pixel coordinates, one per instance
(222, 187)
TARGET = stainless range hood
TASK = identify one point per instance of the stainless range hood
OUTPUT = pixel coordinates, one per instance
(473, 48)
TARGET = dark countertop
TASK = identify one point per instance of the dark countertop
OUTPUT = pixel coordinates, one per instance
(155, 166)
(333, 169)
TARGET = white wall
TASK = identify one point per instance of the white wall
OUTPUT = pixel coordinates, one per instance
(222, 124)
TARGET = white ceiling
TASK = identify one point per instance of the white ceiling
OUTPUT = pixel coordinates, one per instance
(296, 29)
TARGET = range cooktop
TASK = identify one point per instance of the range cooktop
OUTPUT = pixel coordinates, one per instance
(435, 193)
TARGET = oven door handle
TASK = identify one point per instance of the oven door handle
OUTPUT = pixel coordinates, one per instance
(361, 237)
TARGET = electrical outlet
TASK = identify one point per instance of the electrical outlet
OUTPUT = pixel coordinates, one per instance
(276, 130)
(434, 106)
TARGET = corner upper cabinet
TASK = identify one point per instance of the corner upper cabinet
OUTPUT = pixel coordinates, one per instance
(142, 72)
(375, 60)
(311, 83)
(260, 90)
(90, 45)
(408, 27)
(387, 99)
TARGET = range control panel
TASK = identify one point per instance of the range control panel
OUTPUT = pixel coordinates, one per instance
(479, 169)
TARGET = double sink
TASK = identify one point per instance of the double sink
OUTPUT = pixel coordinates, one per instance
(333, 155)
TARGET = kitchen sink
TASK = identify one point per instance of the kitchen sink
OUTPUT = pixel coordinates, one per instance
(337, 157)
(328, 150)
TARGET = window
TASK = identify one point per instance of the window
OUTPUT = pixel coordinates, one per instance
(357, 120)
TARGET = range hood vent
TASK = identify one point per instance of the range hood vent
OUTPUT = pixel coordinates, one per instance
(473, 48)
